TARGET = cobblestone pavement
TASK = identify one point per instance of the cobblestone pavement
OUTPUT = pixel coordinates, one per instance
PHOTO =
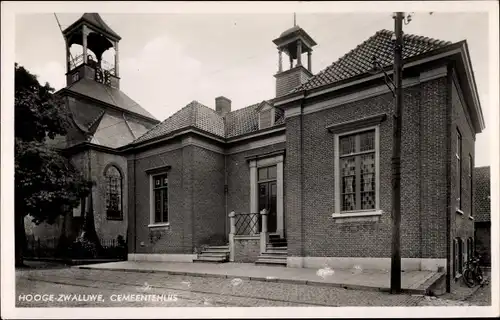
(463, 296)
(189, 291)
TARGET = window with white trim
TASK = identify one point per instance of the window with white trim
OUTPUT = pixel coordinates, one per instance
(357, 171)
(160, 199)
(459, 169)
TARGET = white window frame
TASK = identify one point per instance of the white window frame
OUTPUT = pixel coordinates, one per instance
(152, 223)
(254, 165)
(359, 213)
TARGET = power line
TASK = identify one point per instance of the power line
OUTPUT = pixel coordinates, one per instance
(67, 48)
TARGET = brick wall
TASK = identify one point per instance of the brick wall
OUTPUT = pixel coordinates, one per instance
(208, 198)
(460, 225)
(482, 202)
(196, 199)
(482, 210)
(321, 235)
(434, 159)
(293, 187)
(287, 80)
(177, 237)
(246, 249)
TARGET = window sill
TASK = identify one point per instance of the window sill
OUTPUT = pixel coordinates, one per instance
(159, 225)
(459, 211)
(359, 216)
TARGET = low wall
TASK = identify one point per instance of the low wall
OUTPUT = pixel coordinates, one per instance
(161, 257)
(246, 248)
(408, 264)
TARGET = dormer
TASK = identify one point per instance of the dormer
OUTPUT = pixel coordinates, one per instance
(267, 114)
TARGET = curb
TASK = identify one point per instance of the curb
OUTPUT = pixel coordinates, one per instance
(260, 279)
(73, 262)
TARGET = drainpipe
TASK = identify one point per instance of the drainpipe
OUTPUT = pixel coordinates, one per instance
(225, 195)
(135, 212)
(302, 253)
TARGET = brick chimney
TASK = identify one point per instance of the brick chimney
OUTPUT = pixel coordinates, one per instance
(222, 105)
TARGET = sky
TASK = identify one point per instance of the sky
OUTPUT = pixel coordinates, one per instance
(169, 59)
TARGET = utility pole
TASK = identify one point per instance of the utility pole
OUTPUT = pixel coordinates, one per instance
(396, 156)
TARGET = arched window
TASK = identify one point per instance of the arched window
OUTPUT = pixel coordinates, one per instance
(113, 193)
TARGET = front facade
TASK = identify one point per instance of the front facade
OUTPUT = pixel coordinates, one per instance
(317, 158)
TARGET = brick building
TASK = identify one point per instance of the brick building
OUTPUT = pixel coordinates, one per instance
(317, 157)
(482, 213)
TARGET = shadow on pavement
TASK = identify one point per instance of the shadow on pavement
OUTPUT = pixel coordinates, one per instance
(46, 265)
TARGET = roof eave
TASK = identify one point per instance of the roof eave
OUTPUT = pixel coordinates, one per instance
(456, 49)
(472, 86)
(113, 36)
(171, 135)
(70, 92)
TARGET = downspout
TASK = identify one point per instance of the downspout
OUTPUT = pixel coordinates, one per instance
(135, 207)
(302, 253)
(449, 110)
(225, 197)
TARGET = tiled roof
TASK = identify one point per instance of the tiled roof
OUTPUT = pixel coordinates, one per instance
(194, 114)
(359, 60)
(482, 194)
(245, 120)
(108, 95)
(95, 20)
(242, 121)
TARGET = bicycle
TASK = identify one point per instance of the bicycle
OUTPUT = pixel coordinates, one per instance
(473, 273)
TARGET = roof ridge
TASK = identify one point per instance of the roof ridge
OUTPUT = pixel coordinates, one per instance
(244, 108)
(358, 60)
(160, 123)
(96, 119)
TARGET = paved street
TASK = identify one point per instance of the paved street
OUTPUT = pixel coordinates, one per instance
(191, 291)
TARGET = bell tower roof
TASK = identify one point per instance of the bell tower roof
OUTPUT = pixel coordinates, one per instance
(289, 37)
(93, 21)
(293, 42)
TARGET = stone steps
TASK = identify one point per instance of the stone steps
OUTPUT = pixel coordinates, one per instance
(213, 254)
(273, 256)
(210, 259)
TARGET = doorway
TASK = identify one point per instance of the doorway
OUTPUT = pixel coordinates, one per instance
(267, 188)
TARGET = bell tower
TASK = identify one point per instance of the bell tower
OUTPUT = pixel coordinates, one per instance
(294, 42)
(95, 38)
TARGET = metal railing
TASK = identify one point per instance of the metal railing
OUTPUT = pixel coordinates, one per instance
(49, 248)
(247, 223)
(105, 65)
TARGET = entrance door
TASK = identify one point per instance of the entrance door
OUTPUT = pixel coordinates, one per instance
(267, 195)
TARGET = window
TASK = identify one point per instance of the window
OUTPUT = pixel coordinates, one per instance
(457, 253)
(459, 169)
(113, 194)
(471, 186)
(160, 199)
(470, 247)
(357, 171)
(464, 255)
(267, 173)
